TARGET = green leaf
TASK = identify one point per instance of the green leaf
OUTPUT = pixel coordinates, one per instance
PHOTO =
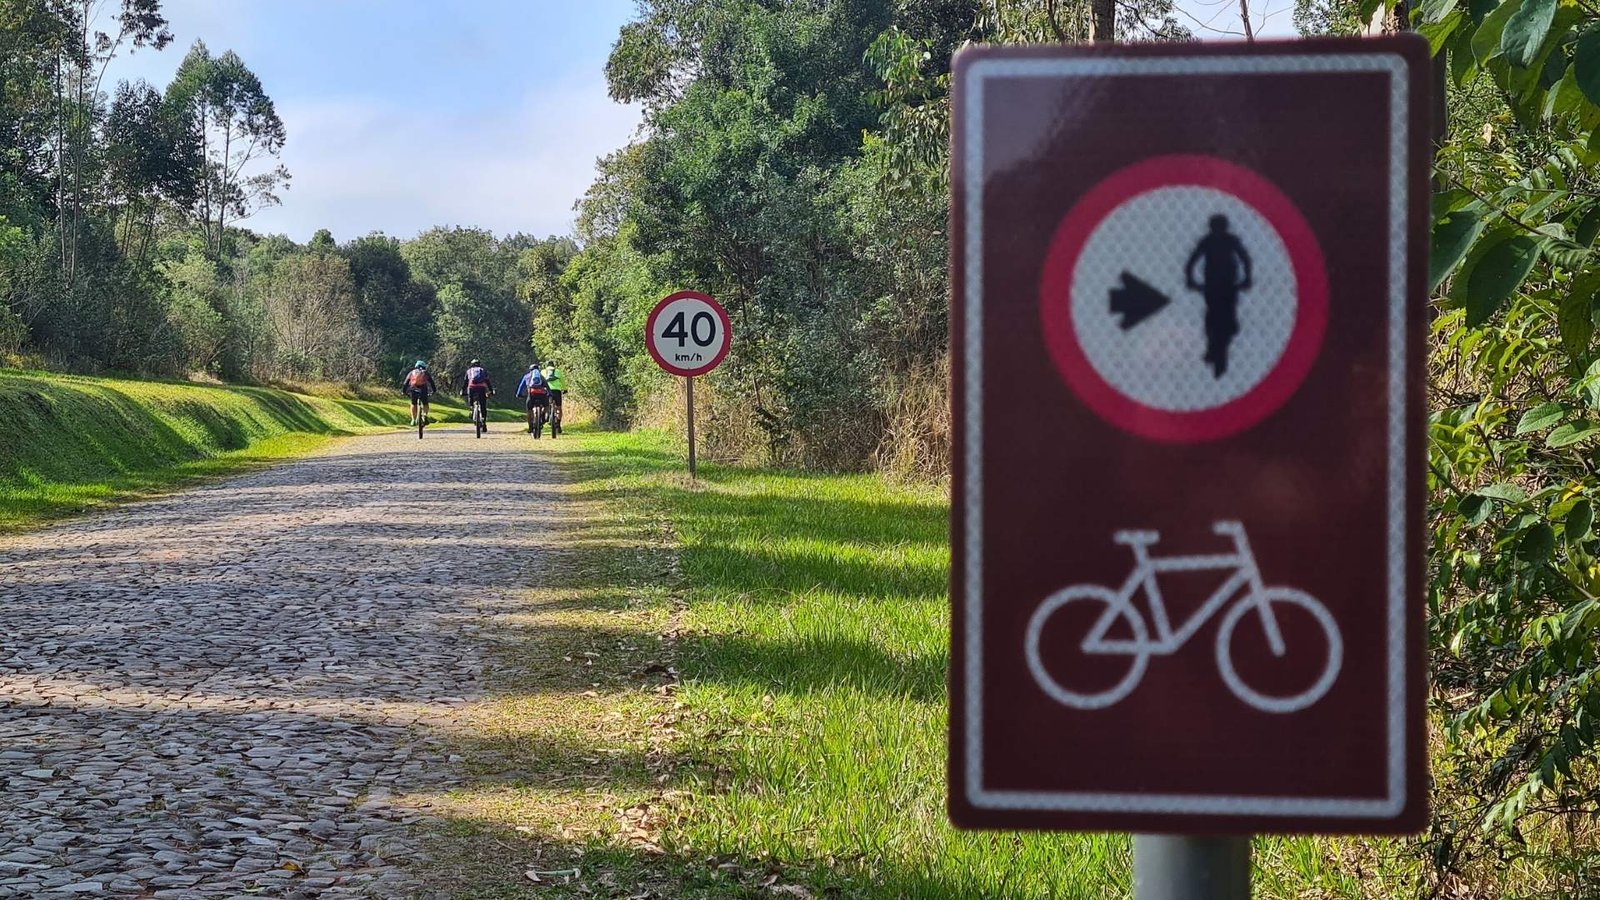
(1541, 417)
(1525, 31)
(1571, 433)
(1586, 63)
(1537, 543)
(1481, 8)
(1576, 315)
(1475, 509)
(1486, 40)
(1439, 33)
(1435, 11)
(1509, 493)
(1501, 269)
(1580, 521)
(1453, 235)
(1588, 227)
(1463, 65)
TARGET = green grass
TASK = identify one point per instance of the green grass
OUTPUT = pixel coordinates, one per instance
(72, 443)
(814, 651)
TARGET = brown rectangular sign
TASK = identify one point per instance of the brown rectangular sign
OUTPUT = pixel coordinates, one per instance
(1190, 284)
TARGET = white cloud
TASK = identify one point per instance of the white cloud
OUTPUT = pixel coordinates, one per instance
(360, 166)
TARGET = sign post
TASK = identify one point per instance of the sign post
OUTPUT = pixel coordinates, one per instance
(688, 334)
(690, 389)
(1189, 294)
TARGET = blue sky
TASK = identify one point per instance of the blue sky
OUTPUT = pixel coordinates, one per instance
(404, 114)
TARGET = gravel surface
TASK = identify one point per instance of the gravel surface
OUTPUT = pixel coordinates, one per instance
(227, 692)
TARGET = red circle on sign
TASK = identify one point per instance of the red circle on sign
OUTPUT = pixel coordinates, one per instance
(1234, 416)
(650, 330)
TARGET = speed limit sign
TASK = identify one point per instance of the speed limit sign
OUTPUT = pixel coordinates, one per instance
(687, 333)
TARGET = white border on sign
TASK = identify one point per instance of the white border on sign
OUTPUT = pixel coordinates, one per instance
(981, 70)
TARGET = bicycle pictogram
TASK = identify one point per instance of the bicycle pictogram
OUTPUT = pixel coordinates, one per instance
(1241, 594)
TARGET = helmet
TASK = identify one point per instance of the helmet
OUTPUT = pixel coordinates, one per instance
(476, 363)
(532, 367)
(420, 365)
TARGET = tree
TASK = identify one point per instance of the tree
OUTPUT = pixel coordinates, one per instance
(395, 306)
(237, 127)
(151, 159)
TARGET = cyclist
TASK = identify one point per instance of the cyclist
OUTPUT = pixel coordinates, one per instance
(556, 380)
(1226, 267)
(537, 391)
(477, 388)
(418, 384)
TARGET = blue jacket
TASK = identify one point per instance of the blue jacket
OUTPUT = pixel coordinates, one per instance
(534, 379)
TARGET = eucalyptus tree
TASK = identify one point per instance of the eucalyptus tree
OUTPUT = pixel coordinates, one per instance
(240, 135)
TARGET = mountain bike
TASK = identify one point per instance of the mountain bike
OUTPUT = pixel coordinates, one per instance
(422, 416)
(1242, 594)
(537, 417)
(479, 425)
(555, 420)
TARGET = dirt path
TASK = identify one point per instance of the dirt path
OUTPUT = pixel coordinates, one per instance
(220, 693)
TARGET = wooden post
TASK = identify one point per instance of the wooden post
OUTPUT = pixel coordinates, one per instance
(692, 475)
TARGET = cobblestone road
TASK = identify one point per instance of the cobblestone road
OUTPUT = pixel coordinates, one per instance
(222, 693)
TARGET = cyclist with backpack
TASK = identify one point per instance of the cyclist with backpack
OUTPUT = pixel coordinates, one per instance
(556, 380)
(418, 384)
(477, 388)
(537, 391)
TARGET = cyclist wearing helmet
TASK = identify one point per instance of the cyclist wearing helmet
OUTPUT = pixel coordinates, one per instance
(476, 387)
(418, 384)
(556, 379)
(537, 391)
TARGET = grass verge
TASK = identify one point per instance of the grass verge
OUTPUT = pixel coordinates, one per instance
(71, 443)
(802, 753)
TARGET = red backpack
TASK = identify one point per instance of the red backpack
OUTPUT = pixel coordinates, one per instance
(418, 379)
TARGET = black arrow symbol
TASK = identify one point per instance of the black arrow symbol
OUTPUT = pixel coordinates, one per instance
(1136, 301)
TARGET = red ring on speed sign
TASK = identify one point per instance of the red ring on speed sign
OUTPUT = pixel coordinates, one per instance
(1304, 340)
(723, 322)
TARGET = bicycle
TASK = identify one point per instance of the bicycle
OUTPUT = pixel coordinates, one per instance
(1255, 597)
(421, 413)
(537, 417)
(554, 414)
(479, 425)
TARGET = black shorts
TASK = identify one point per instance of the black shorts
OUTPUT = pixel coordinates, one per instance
(420, 395)
(538, 400)
(555, 397)
(480, 394)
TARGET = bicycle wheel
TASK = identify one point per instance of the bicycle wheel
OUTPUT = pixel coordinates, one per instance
(1296, 635)
(555, 422)
(1119, 660)
(422, 419)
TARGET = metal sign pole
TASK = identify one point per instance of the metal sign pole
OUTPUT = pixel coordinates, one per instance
(1182, 867)
(692, 475)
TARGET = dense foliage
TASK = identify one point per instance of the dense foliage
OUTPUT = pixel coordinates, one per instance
(121, 246)
(792, 166)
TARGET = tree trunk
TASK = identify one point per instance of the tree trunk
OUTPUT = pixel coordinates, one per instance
(1105, 21)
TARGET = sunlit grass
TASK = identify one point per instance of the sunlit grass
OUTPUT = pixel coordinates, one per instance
(814, 654)
(69, 443)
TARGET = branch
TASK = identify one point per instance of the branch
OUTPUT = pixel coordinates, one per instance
(1504, 213)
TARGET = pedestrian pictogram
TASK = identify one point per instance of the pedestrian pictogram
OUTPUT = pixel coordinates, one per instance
(1185, 298)
(1189, 286)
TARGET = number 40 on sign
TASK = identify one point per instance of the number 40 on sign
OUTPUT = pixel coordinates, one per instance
(688, 334)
